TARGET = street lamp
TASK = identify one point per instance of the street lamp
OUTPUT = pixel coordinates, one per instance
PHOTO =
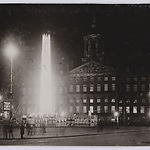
(116, 114)
(11, 51)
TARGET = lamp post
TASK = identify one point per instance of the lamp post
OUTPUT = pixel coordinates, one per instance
(116, 114)
(11, 51)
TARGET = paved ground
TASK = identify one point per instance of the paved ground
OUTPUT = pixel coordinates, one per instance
(124, 136)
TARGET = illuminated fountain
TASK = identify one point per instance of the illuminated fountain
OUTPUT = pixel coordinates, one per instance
(45, 89)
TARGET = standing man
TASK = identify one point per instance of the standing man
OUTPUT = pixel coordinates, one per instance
(22, 130)
(10, 130)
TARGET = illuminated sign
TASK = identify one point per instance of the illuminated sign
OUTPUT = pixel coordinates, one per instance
(6, 105)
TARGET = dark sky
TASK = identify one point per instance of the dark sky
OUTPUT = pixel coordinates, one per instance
(125, 30)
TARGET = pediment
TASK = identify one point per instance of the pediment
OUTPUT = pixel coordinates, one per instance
(91, 67)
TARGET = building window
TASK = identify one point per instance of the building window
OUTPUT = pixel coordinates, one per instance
(77, 109)
(77, 88)
(135, 109)
(84, 100)
(85, 79)
(135, 101)
(84, 88)
(105, 109)
(98, 109)
(128, 79)
(98, 87)
(127, 109)
(135, 88)
(71, 88)
(113, 78)
(142, 110)
(120, 109)
(98, 78)
(112, 109)
(143, 100)
(98, 100)
(84, 109)
(113, 87)
(77, 79)
(120, 101)
(106, 100)
(113, 100)
(91, 78)
(70, 109)
(91, 109)
(91, 87)
(77, 100)
(143, 78)
(105, 87)
(105, 78)
(128, 101)
(143, 87)
(128, 88)
(135, 79)
(91, 100)
(24, 91)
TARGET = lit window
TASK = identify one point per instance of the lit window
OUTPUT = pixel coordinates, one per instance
(135, 88)
(105, 109)
(143, 87)
(143, 78)
(105, 78)
(98, 87)
(70, 109)
(105, 87)
(98, 109)
(84, 88)
(77, 88)
(91, 109)
(135, 101)
(106, 100)
(112, 100)
(120, 101)
(98, 78)
(128, 88)
(113, 78)
(77, 109)
(127, 109)
(135, 79)
(91, 78)
(142, 110)
(113, 88)
(71, 88)
(120, 109)
(112, 109)
(91, 87)
(84, 100)
(98, 100)
(135, 109)
(84, 79)
(84, 109)
(91, 100)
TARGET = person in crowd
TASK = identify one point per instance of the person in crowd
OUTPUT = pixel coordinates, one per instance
(28, 128)
(10, 130)
(98, 125)
(44, 126)
(5, 131)
(22, 130)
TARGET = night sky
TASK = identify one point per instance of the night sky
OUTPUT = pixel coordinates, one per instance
(125, 30)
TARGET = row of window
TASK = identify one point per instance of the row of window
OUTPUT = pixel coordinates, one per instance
(91, 100)
(136, 79)
(91, 88)
(107, 109)
(134, 101)
(136, 87)
(92, 79)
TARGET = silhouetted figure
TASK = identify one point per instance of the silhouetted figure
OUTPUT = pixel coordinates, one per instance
(28, 128)
(10, 130)
(98, 125)
(22, 130)
(5, 131)
(44, 127)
